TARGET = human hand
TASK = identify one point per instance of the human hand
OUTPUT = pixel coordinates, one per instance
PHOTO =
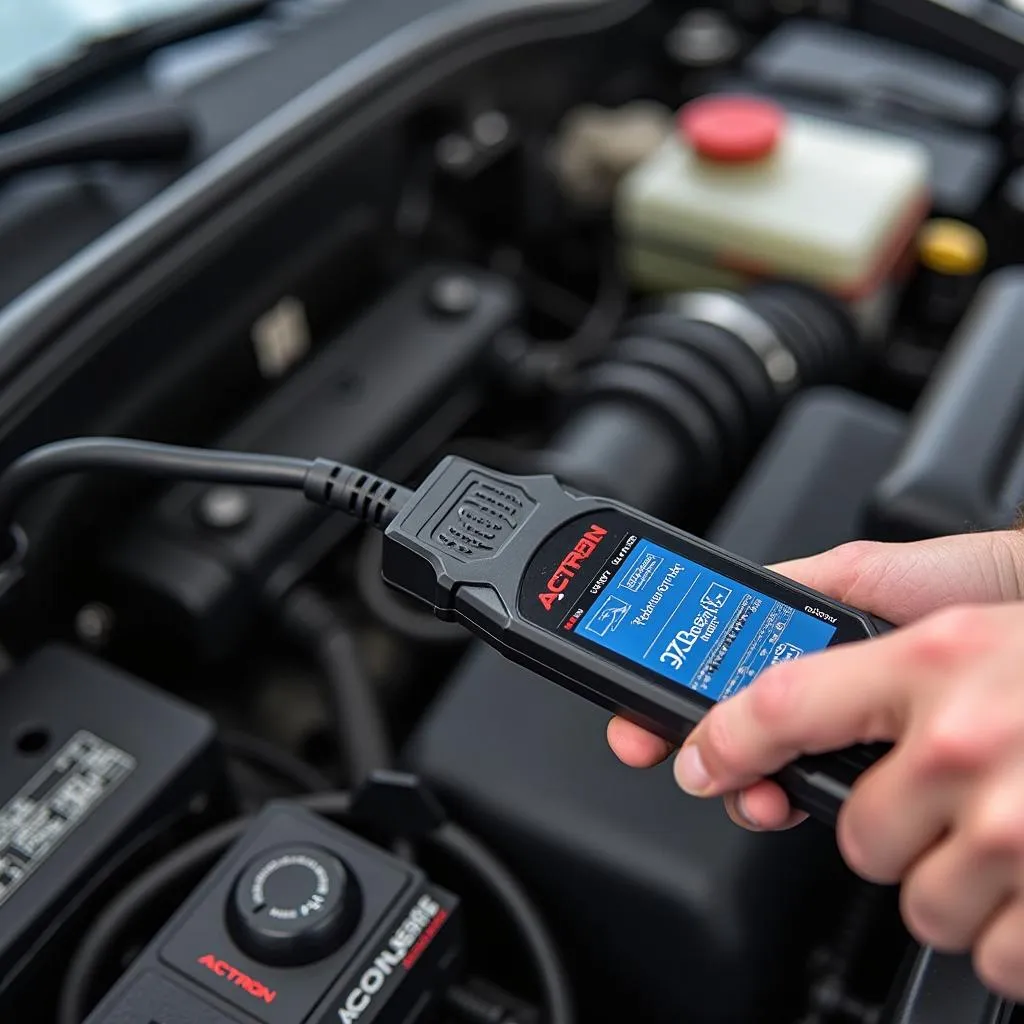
(943, 813)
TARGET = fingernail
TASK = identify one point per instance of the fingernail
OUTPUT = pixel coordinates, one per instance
(692, 776)
(744, 812)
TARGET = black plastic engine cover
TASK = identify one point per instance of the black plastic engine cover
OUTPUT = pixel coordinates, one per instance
(96, 769)
(962, 467)
(685, 916)
(382, 396)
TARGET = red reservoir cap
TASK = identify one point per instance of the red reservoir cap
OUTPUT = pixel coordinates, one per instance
(731, 129)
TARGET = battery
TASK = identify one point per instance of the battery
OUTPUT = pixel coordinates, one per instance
(96, 768)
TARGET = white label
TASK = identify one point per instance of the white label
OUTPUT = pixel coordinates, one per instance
(281, 337)
(402, 951)
(51, 805)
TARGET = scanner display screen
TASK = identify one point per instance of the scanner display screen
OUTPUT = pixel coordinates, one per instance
(689, 623)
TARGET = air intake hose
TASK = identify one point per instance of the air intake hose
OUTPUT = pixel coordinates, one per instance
(670, 414)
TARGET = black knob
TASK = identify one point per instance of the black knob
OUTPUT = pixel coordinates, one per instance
(293, 905)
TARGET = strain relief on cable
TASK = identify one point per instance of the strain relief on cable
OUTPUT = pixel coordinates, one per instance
(364, 496)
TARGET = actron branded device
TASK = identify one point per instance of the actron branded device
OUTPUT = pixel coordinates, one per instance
(645, 620)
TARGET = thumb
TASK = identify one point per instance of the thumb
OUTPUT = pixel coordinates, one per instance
(904, 582)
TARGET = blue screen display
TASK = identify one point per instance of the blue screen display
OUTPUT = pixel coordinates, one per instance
(695, 626)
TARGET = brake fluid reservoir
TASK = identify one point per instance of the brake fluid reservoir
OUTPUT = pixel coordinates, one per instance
(744, 190)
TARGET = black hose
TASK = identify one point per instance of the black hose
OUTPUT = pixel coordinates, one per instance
(467, 851)
(594, 331)
(360, 729)
(556, 990)
(603, 317)
(274, 761)
(198, 855)
(128, 906)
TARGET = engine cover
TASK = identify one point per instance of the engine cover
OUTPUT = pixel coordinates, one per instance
(96, 768)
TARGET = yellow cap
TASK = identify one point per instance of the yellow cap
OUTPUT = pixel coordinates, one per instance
(951, 247)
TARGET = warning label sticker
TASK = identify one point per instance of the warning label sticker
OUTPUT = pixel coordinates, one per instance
(61, 795)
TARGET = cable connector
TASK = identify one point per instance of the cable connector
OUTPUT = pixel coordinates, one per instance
(370, 499)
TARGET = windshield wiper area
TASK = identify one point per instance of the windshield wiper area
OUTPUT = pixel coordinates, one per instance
(114, 55)
(143, 128)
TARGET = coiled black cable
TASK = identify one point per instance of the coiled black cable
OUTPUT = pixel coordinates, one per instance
(595, 322)
(556, 990)
(197, 856)
(465, 849)
(597, 328)
(361, 732)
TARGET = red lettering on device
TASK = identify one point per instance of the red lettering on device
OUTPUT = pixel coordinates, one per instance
(235, 977)
(570, 565)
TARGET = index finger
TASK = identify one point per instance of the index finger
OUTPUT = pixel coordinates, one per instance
(818, 703)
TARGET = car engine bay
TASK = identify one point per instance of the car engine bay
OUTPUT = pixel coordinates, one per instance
(756, 269)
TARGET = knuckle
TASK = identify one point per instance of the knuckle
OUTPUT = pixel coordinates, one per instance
(923, 907)
(945, 744)
(964, 622)
(996, 827)
(849, 559)
(945, 637)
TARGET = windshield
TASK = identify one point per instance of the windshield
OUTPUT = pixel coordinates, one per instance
(41, 34)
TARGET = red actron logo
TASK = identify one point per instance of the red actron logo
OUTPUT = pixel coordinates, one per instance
(224, 970)
(571, 564)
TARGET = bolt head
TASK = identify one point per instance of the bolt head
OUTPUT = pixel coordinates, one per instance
(454, 295)
(224, 508)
